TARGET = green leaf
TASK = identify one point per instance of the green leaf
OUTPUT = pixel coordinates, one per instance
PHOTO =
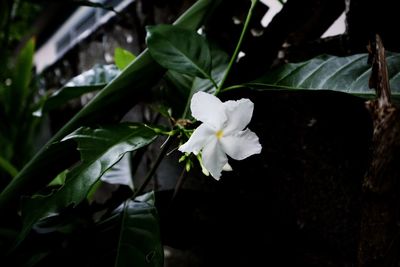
(100, 149)
(60, 179)
(3, 14)
(17, 98)
(23, 69)
(119, 96)
(8, 167)
(89, 81)
(188, 85)
(98, 75)
(123, 58)
(344, 74)
(180, 50)
(139, 242)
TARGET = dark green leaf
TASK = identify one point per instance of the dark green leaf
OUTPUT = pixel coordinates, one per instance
(100, 149)
(345, 74)
(180, 50)
(60, 179)
(139, 241)
(3, 13)
(116, 98)
(89, 81)
(98, 75)
(188, 85)
(123, 58)
(8, 167)
(23, 69)
(22, 74)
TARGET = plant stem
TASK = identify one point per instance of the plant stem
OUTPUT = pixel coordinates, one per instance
(213, 82)
(238, 45)
(8, 167)
(233, 87)
(154, 167)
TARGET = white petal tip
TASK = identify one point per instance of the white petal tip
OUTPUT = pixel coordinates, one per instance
(227, 168)
(216, 177)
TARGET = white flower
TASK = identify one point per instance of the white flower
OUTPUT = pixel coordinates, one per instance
(222, 131)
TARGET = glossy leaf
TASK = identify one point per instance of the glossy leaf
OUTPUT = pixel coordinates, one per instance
(123, 58)
(139, 242)
(100, 149)
(98, 75)
(179, 50)
(345, 74)
(119, 96)
(188, 85)
(89, 81)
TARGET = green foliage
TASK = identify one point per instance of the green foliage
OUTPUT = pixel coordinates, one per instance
(89, 81)
(100, 149)
(123, 58)
(23, 73)
(344, 74)
(17, 126)
(186, 85)
(139, 241)
(191, 57)
(177, 57)
(119, 95)
(8, 167)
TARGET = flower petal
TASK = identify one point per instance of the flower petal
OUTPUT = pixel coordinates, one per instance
(239, 114)
(227, 168)
(209, 109)
(241, 145)
(198, 140)
(214, 159)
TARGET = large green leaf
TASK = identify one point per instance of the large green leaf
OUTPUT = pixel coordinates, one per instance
(188, 85)
(345, 74)
(100, 149)
(115, 99)
(89, 81)
(139, 242)
(180, 50)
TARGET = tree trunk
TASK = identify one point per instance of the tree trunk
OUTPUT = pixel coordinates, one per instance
(379, 242)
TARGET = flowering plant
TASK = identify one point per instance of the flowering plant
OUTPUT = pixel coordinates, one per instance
(222, 132)
(72, 182)
(63, 204)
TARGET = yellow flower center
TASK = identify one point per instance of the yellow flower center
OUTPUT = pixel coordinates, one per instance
(219, 134)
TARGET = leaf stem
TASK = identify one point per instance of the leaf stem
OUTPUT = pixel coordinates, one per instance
(234, 87)
(238, 45)
(8, 167)
(153, 169)
(213, 82)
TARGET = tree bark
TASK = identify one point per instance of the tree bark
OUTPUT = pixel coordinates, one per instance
(379, 236)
